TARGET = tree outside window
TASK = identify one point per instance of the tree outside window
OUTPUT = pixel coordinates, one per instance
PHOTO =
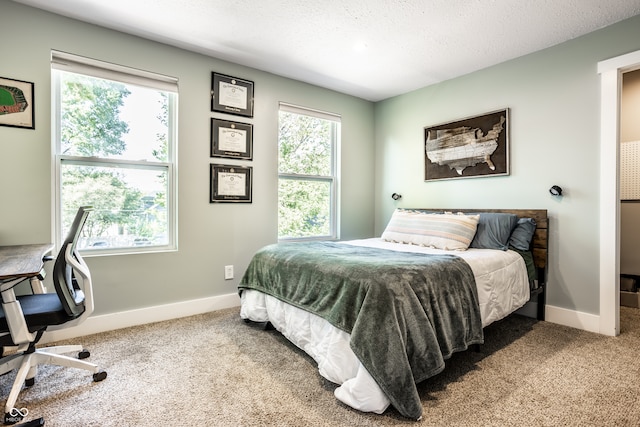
(113, 153)
(307, 174)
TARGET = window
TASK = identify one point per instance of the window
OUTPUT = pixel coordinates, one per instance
(115, 144)
(307, 181)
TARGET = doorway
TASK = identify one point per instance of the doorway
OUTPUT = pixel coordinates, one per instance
(611, 72)
(630, 190)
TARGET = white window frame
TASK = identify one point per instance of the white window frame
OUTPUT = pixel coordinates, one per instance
(332, 179)
(86, 66)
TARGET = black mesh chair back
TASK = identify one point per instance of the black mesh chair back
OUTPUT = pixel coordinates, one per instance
(64, 280)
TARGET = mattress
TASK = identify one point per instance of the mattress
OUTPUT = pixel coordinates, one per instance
(502, 284)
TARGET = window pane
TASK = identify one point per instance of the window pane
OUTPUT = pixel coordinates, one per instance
(304, 209)
(130, 206)
(305, 144)
(114, 151)
(108, 119)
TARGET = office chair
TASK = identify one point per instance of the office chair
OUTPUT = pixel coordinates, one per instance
(25, 318)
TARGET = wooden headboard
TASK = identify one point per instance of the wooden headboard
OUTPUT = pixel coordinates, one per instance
(540, 242)
(539, 247)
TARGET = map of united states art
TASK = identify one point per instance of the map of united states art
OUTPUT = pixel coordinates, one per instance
(463, 146)
(472, 147)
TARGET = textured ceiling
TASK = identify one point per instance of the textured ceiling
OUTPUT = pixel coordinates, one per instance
(372, 49)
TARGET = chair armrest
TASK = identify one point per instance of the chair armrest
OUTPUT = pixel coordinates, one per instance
(18, 328)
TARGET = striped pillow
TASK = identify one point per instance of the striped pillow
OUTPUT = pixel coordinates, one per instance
(441, 231)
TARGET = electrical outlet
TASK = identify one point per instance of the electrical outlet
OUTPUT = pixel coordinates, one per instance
(228, 272)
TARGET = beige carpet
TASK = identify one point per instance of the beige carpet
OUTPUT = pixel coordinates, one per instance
(215, 370)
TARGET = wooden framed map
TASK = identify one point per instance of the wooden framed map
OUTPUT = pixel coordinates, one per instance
(472, 147)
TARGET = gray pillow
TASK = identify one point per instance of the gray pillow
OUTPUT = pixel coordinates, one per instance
(522, 234)
(494, 230)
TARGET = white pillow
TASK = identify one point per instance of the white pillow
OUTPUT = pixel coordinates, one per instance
(442, 231)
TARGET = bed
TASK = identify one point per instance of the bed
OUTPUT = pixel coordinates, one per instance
(380, 315)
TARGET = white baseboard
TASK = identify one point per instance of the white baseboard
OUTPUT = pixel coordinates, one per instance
(572, 318)
(562, 316)
(141, 316)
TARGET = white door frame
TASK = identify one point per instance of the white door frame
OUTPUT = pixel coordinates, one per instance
(611, 72)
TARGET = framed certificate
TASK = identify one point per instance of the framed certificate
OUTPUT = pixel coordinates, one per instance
(230, 184)
(231, 95)
(231, 139)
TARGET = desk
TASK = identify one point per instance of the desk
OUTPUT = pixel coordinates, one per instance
(22, 260)
(19, 262)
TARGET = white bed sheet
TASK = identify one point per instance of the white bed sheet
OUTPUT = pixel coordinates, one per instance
(503, 287)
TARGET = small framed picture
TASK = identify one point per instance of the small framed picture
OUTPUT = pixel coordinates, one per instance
(233, 140)
(230, 184)
(16, 103)
(231, 95)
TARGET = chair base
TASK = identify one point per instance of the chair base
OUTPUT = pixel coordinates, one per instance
(27, 365)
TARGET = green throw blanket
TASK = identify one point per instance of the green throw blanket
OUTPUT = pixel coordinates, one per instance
(406, 312)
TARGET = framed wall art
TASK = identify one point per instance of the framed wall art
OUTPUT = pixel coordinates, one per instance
(231, 139)
(472, 147)
(231, 95)
(230, 184)
(16, 103)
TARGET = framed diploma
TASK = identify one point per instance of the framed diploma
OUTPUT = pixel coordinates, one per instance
(231, 139)
(230, 184)
(231, 95)
(16, 103)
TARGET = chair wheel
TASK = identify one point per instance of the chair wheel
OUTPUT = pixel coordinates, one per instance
(99, 376)
(29, 382)
(84, 354)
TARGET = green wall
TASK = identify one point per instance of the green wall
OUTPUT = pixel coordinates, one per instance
(210, 236)
(554, 102)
